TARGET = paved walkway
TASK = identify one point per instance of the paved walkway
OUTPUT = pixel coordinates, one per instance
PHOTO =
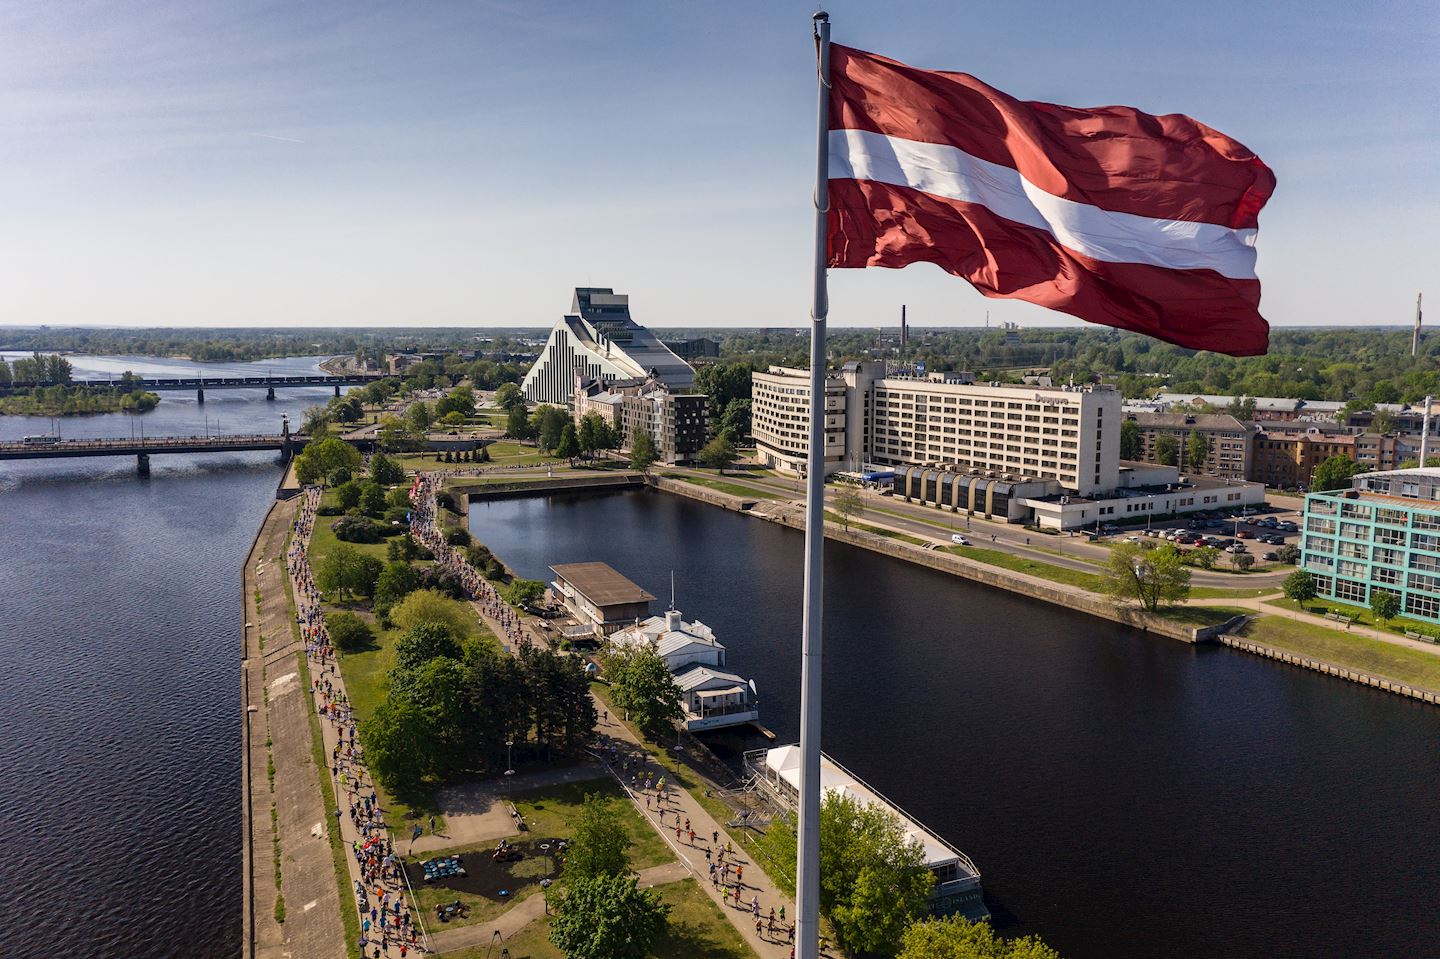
(312, 925)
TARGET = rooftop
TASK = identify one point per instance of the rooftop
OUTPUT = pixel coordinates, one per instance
(601, 584)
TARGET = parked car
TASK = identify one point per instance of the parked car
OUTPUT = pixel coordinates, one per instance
(1271, 557)
(1245, 534)
(1236, 548)
(1290, 526)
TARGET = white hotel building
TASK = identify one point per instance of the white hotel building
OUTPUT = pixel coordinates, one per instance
(1056, 449)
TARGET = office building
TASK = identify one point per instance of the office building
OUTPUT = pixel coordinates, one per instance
(1286, 458)
(598, 339)
(1383, 533)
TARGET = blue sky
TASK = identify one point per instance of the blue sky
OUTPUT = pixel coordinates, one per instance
(234, 163)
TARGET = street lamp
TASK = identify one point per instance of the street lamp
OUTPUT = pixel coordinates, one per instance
(509, 757)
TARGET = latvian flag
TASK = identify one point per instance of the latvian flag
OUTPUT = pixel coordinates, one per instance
(1115, 216)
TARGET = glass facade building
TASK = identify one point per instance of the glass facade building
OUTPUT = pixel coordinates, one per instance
(1381, 534)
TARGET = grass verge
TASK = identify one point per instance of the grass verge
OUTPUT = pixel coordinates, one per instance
(1413, 666)
(1056, 574)
(720, 486)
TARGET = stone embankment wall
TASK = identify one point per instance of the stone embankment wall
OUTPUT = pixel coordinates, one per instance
(1330, 669)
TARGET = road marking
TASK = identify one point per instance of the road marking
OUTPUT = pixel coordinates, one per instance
(310, 905)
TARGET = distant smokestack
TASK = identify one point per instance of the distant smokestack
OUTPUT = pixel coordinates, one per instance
(1415, 337)
(904, 328)
(1425, 428)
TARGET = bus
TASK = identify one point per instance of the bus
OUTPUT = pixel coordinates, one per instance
(40, 440)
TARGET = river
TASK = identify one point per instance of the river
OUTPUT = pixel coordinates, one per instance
(1124, 796)
(119, 675)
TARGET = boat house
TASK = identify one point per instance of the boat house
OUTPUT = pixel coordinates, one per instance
(597, 595)
(711, 697)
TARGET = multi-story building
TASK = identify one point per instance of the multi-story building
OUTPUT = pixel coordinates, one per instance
(599, 339)
(780, 419)
(675, 421)
(1228, 440)
(1381, 534)
(1070, 435)
(1286, 459)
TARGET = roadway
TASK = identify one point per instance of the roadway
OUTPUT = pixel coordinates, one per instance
(1070, 552)
(154, 444)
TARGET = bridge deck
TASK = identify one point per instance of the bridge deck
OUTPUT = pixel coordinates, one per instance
(158, 444)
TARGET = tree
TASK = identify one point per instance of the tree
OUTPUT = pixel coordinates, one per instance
(607, 917)
(1242, 408)
(1148, 577)
(955, 937)
(386, 471)
(345, 570)
(517, 423)
(1197, 447)
(1382, 422)
(644, 688)
(718, 454)
(424, 642)
(397, 739)
(736, 418)
(509, 397)
(1167, 450)
(1242, 561)
(546, 424)
(347, 495)
(418, 416)
(598, 843)
(440, 687)
(372, 498)
(396, 581)
(1334, 473)
(568, 446)
(349, 632)
(642, 451)
(873, 879)
(1289, 553)
(326, 459)
(524, 592)
(1132, 440)
(848, 503)
(592, 433)
(1205, 557)
(1384, 604)
(1299, 586)
(429, 606)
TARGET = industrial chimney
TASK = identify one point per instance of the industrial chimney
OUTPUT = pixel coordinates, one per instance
(1415, 337)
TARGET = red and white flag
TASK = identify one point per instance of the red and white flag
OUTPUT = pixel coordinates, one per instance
(1142, 222)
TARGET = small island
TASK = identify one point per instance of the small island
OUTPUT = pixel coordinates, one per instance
(54, 395)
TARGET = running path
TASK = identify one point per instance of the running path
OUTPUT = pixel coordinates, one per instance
(742, 890)
(378, 891)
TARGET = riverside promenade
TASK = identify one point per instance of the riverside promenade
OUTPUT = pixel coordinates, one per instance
(280, 773)
(668, 811)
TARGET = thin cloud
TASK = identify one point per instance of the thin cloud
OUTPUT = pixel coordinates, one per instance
(271, 136)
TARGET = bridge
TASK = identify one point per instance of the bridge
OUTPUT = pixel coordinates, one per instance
(143, 448)
(202, 383)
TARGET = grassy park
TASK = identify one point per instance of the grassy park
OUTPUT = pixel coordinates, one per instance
(698, 930)
(1414, 666)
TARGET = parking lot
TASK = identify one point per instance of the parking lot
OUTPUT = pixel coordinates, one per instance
(1257, 534)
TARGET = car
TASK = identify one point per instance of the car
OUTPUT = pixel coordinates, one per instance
(1245, 534)
(959, 540)
(1133, 539)
(1271, 557)
(1236, 548)
(1290, 527)
(1275, 540)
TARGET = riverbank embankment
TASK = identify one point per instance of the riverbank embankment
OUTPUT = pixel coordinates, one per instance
(291, 900)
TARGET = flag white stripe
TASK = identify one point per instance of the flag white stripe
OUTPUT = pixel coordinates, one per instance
(1104, 235)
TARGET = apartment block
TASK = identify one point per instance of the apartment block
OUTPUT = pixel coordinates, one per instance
(1229, 441)
(1381, 534)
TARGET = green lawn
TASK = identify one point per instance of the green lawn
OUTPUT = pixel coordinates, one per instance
(698, 930)
(1202, 615)
(734, 489)
(548, 813)
(1361, 615)
(526, 874)
(1057, 574)
(1413, 666)
(833, 517)
(1224, 592)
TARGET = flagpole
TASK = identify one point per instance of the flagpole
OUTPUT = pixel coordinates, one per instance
(807, 869)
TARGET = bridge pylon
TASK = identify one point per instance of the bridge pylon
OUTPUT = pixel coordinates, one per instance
(200, 396)
(142, 464)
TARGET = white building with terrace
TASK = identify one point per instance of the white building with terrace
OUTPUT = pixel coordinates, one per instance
(711, 697)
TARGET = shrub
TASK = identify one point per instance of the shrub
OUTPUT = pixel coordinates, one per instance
(329, 511)
(356, 529)
(460, 536)
(348, 631)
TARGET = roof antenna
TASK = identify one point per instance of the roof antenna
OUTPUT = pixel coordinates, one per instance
(672, 589)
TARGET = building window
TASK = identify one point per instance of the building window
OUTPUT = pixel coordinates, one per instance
(1354, 531)
(1418, 604)
(1350, 591)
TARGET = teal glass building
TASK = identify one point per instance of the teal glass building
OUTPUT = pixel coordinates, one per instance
(1381, 534)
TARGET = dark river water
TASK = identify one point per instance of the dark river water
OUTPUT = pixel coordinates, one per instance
(119, 677)
(1124, 796)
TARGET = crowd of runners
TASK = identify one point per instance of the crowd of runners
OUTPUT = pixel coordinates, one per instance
(386, 926)
(426, 531)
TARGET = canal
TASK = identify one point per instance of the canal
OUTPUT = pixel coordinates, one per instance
(1124, 796)
(119, 675)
